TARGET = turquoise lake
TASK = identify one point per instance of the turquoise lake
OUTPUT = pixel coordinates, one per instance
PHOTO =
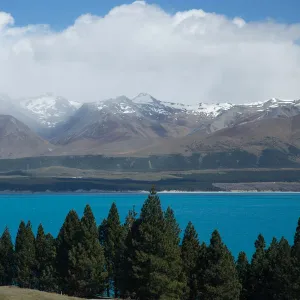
(239, 217)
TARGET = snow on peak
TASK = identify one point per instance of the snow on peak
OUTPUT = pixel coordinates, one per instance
(273, 102)
(213, 109)
(48, 108)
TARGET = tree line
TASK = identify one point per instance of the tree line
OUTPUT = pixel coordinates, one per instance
(145, 259)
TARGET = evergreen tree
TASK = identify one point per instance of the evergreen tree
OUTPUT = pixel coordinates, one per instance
(93, 261)
(242, 267)
(221, 280)
(45, 249)
(129, 221)
(201, 267)
(25, 260)
(148, 266)
(6, 258)
(279, 281)
(150, 277)
(295, 251)
(124, 268)
(68, 238)
(110, 234)
(177, 281)
(102, 231)
(258, 269)
(296, 245)
(86, 260)
(189, 253)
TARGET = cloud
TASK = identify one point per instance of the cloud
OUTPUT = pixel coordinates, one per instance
(189, 56)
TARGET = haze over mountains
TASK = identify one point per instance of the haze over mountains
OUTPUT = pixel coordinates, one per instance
(142, 126)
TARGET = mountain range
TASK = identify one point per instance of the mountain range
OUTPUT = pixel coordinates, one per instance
(49, 125)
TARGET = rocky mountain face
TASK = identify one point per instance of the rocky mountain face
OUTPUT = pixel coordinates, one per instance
(17, 140)
(41, 112)
(122, 125)
(48, 110)
(144, 125)
(239, 114)
(124, 118)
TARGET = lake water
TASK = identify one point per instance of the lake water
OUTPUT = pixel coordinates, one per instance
(239, 217)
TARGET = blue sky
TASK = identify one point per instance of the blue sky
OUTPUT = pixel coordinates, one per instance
(61, 13)
(188, 57)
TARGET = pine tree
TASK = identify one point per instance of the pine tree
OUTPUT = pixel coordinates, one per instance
(6, 258)
(86, 260)
(258, 269)
(110, 234)
(221, 280)
(40, 245)
(147, 279)
(201, 267)
(102, 231)
(68, 238)
(177, 281)
(92, 261)
(150, 277)
(45, 249)
(279, 279)
(295, 252)
(296, 245)
(189, 253)
(113, 244)
(25, 259)
(242, 266)
(124, 268)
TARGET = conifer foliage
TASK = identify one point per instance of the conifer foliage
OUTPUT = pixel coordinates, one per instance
(145, 259)
(6, 258)
(149, 266)
(45, 251)
(91, 261)
(110, 234)
(220, 276)
(25, 262)
(190, 251)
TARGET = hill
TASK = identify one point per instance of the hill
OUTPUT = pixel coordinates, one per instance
(14, 293)
(279, 134)
(17, 140)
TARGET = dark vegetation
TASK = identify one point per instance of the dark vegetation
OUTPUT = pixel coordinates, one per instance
(235, 159)
(204, 181)
(34, 184)
(145, 259)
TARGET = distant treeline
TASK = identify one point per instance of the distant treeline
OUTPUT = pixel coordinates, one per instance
(203, 181)
(232, 159)
(145, 259)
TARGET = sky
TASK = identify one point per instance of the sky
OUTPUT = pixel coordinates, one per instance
(183, 51)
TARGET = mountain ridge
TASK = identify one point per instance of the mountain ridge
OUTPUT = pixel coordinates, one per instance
(140, 125)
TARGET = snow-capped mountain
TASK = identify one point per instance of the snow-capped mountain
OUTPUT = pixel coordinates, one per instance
(142, 117)
(122, 124)
(8, 106)
(245, 113)
(49, 109)
(204, 109)
(147, 117)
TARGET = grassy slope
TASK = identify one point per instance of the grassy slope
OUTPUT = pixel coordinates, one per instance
(13, 293)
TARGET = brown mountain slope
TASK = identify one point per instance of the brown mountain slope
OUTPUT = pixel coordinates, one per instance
(277, 133)
(120, 126)
(17, 140)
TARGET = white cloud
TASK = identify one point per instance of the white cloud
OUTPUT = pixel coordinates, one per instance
(189, 56)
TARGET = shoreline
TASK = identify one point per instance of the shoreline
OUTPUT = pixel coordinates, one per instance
(94, 192)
